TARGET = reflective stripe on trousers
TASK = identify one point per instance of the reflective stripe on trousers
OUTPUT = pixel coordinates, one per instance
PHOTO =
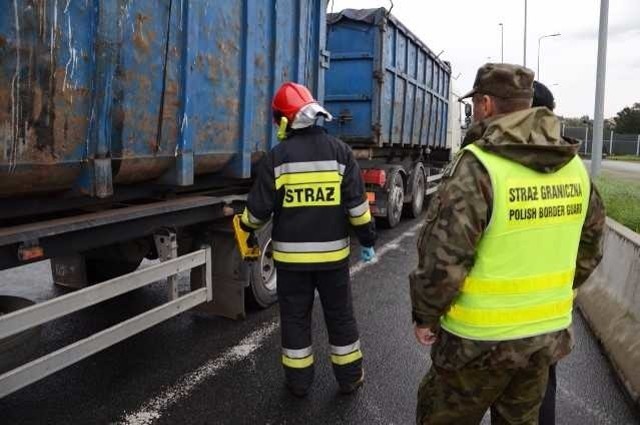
(297, 359)
(343, 355)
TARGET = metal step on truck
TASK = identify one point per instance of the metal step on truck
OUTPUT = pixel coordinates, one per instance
(130, 130)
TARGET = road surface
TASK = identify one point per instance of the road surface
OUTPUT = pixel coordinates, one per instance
(193, 370)
(621, 168)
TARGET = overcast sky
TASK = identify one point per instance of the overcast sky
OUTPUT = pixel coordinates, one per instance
(468, 32)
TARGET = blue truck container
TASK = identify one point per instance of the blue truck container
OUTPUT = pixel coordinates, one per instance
(124, 123)
(96, 94)
(389, 94)
(385, 87)
(128, 130)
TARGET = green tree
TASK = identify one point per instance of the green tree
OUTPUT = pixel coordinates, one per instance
(628, 120)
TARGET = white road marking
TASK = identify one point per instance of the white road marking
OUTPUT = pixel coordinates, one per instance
(153, 408)
(389, 246)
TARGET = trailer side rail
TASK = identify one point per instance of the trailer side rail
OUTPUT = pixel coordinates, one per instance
(433, 183)
(38, 314)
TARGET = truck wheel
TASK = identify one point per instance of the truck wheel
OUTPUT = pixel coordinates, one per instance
(414, 208)
(263, 277)
(395, 200)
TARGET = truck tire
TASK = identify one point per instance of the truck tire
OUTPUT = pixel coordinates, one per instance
(262, 276)
(116, 260)
(415, 207)
(395, 199)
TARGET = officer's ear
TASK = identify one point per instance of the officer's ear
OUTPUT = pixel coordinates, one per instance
(491, 107)
(484, 106)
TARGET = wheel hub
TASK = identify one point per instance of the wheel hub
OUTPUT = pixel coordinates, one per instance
(419, 195)
(397, 200)
(267, 267)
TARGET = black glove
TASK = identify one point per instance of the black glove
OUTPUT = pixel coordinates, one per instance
(252, 241)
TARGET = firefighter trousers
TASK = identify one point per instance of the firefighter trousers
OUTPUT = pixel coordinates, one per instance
(296, 293)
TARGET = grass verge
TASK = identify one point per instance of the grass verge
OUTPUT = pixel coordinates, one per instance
(621, 198)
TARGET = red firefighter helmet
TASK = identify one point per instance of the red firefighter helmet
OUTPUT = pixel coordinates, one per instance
(289, 99)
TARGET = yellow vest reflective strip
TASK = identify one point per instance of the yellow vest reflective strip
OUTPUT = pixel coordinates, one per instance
(342, 355)
(297, 359)
(360, 215)
(249, 220)
(311, 252)
(511, 316)
(476, 285)
(521, 281)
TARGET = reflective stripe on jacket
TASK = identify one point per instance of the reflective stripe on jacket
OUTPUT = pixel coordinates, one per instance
(311, 186)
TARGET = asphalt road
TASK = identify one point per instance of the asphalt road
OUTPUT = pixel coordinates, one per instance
(623, 168)
(193, 370)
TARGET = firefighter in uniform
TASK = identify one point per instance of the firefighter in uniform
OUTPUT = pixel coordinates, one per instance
(514, 228)
(311, 187)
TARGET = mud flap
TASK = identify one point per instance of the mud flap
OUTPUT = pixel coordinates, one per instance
(230, 277)
(69, 271)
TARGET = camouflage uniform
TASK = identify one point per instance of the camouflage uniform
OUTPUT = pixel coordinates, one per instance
(468, 376)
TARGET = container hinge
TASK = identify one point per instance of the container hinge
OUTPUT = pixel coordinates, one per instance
(345, 116)
(325, 58)
(379, 76)
(382, 24)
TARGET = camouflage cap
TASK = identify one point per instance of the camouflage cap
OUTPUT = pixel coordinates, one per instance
(503, 80)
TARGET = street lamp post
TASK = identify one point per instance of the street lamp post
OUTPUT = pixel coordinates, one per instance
(501, 42)
(598, 116)
(524, 54)
(539, 40)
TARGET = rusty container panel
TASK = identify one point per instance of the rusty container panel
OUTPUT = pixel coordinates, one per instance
(385, 86)
(98, 94)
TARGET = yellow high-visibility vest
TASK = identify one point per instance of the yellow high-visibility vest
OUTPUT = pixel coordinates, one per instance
(521, 282)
